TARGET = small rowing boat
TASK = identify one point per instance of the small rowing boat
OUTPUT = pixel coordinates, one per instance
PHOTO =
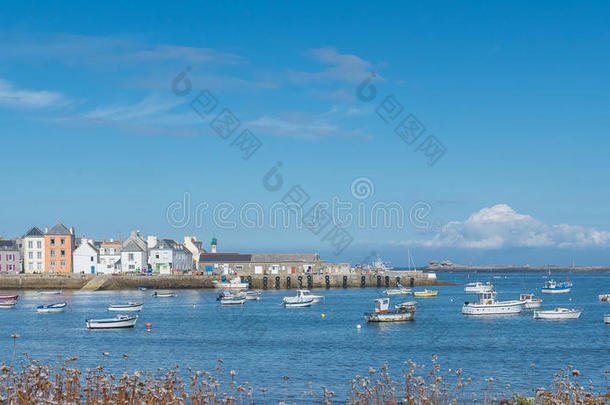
(118, 322)
(238, 299)
(398, 291)
(142, 288)
(164, 294)
(558, 313)
(425, 293)
(9, 297)
(129, 307)
(254, 295)
(52, 308)
(49, 292)
(8, 304)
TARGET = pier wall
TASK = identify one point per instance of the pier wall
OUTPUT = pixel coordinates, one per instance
(262, 282)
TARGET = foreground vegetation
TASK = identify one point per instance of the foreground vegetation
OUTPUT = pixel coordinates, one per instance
(63, 383)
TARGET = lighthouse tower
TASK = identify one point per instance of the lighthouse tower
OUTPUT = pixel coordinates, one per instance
(214, 243)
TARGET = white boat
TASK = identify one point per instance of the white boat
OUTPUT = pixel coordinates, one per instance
(8, 304)
(604, 297)
(607, 318)
(120, 321)
(164, 294)
(487, 305)
(52, 308)
(130, 307)
(553, 287)
(50, 292)
(403, 312)
(399, 290)
(254, 295)
(233, 284)
(309, 294)
(558, 313)
(531, 302)
(299, 301)
(233, 299)
(478, 287)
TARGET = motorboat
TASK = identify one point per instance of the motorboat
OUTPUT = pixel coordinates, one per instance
(50, 292)
(52, 308)
(8, 304)
(410, 305)
(233, 284)
(425, 293)
(309, 294)
(129, 307)
(403, 312)
(531, 302)
(399, 290)
(118, 322)
(604, 297)
(300, 300)
(607, 318)
(142, 288)
(478, 287)
(558, 313)
(253, 295)
(487, 305)
(233, 299)
(164, 294)
(553, 287)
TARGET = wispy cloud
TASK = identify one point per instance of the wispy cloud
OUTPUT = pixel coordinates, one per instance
(340, 67)
(501, 226)
(11, 96)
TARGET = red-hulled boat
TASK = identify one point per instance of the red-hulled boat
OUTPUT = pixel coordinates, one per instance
(8, 297)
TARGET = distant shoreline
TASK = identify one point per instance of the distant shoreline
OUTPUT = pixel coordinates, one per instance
(515, 269)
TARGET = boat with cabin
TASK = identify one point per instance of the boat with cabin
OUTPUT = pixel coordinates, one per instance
(425, 293)
(531, 302)
(558, 313)
(487, 305)
(302, 299)
(478, 287)
(164, 294)
(402, 312)
(553, 287)
(118, 322)
(129, 307)
(399, 290)
(604, 297)
(52, 308)
(233, 284)
(253, 295)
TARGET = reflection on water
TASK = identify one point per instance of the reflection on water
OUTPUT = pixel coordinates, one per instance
(265, 342)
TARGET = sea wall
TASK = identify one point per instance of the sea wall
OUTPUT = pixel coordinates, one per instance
(293, 281)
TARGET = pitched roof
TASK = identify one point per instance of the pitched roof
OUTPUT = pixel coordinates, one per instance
(34, 231)
(224, 257)
(131, 246)
(8, 244)
(59, 229)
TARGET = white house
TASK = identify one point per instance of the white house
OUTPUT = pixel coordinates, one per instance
(110, 257)
(33, 251)
(134, 253)
(85, 258)
(168, 256)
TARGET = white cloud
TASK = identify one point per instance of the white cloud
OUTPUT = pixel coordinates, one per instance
(345, 67)
(11, 96)
(501, 226)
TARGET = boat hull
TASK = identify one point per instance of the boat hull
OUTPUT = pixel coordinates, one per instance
(556, 290)
(497, 308)
(532, 304)
(607, 318)
(128, 322)
(297, 304)
(425, 294)
(232, 301)
(165, 295)
(556, 315)
(50, 309)
(484, 288)
(8, 297)
(390, 316)
(8, 304)
(125, 308)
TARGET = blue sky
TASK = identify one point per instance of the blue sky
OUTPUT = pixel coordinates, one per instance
(516, 92)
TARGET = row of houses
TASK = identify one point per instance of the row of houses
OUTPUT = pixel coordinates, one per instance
(58, 250)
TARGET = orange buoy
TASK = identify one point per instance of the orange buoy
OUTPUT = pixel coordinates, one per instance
(148, 325)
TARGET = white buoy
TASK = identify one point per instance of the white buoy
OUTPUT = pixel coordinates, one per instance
(358, 326)
(451, 299)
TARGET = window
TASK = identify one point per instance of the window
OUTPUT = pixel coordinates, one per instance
(52, 241)
(112, 251)
(30, 265)
(52, 264)
(62, 252)
(62, 241)
(39, 255)
(131, 267)
(39, 244)
(156, 256)
(52, 252)
(30, 255)
(130, 256)
(10, 267)
(38, 266)
(91, 258)
(30, 244)
(62, 264)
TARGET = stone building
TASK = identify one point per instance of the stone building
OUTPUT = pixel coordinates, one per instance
(9, 256)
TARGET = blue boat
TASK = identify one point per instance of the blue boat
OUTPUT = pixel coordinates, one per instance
(142, 288)
(57, 307)
(553, 287)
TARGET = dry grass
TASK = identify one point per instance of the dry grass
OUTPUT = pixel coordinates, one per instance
(64, 383)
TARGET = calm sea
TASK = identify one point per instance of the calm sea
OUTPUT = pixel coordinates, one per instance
(265, 342)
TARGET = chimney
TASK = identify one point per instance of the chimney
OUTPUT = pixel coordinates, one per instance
(46, 229)
(111, 239)
(71, 230)
(214, 243)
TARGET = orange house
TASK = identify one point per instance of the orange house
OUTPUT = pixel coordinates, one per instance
(59, 245)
